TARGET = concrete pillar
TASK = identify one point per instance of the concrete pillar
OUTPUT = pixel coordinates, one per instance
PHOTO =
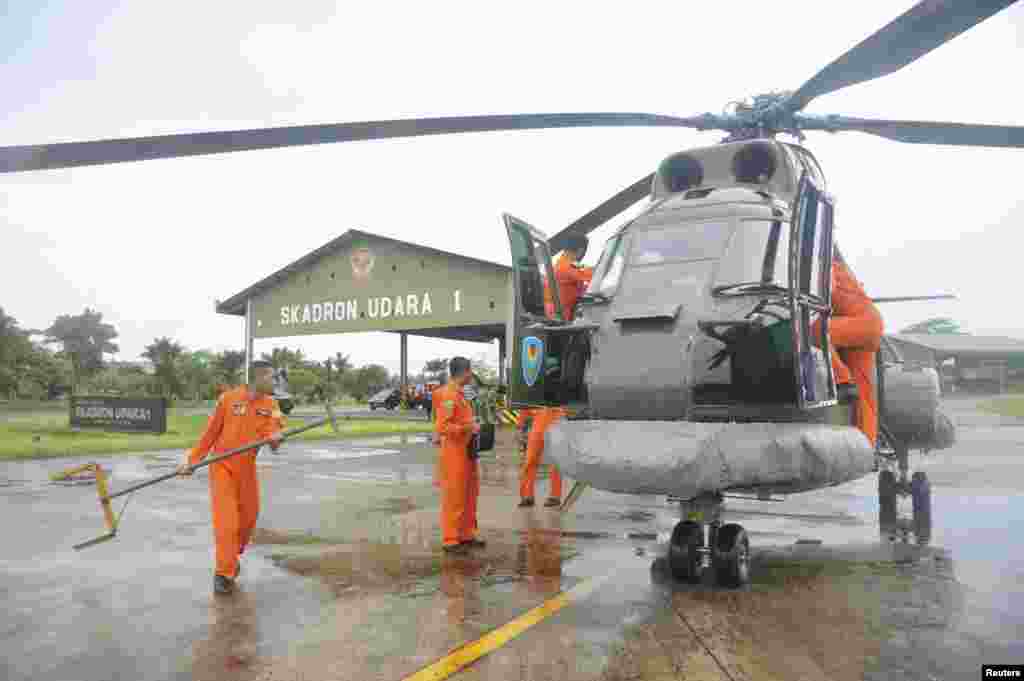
(502, 352)
(250, 324)
(404, 371)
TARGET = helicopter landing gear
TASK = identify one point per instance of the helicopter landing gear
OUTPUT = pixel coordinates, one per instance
(701, 541)
(890, 488)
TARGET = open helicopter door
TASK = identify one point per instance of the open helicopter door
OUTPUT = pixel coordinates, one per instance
(547, 352)
(811, 294)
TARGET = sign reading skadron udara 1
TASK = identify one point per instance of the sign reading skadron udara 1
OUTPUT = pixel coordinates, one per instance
(381, 286)
(126, 414)
(410, 305)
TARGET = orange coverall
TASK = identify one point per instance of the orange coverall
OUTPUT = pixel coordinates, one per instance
(855, 331)
(542, 420)
(572, 280)
(234, 488)
(460, 477)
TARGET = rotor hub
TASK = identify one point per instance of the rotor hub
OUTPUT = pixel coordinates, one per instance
(762, 117)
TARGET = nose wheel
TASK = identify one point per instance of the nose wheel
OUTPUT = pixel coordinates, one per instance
(701, 542)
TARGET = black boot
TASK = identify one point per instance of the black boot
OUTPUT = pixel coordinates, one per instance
(553, 502)
(526, 503)
(222, 584)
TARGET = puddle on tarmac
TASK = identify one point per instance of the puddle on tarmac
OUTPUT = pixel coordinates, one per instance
(373, 476)
(808, 612)
(283, 537)
(352, 454)
(364, 565)
(408, 439)
(632, 515)
(407, 568)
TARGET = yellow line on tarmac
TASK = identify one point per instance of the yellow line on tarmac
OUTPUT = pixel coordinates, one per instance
(471, 652)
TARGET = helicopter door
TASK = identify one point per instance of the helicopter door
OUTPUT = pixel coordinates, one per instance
(534, 378)
(811, 294)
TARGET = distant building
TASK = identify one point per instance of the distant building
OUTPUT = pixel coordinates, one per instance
(965, 362)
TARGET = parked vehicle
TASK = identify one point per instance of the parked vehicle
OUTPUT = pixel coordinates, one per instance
(387, 398)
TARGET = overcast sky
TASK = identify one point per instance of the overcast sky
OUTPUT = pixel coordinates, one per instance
(152, 244)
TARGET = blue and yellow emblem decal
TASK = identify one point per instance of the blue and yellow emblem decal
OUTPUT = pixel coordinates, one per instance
(533, 356)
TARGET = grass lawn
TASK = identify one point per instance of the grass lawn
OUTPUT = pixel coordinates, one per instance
(40, 435)
(1006, 406)
(62, 406)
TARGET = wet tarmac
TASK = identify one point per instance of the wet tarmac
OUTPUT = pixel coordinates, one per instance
(346, 579)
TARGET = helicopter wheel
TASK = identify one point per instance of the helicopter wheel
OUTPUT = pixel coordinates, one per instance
(887, 498)
(921, 496)
(685, 551)
(731, 556)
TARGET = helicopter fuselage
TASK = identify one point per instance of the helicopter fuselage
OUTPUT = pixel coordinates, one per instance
(689, 323)
(694, 363)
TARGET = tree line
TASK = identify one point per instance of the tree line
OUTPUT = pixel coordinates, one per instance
(71, 357)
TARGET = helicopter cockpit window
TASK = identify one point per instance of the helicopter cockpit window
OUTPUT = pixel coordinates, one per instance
(694, 241)
(608, 270)
(758, 254)
(801, 160)
(813, 280)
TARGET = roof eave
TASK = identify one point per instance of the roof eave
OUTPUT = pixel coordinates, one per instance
(235, 305)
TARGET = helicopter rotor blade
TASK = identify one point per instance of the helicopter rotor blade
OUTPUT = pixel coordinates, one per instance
(924, 132)
(904, 299)
(924, 27)
(73, 154)
(625, 199)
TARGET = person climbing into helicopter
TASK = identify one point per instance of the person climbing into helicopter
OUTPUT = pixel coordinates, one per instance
(855, 332)
(572, 279)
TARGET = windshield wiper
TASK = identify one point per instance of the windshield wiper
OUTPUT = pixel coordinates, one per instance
(748, 287)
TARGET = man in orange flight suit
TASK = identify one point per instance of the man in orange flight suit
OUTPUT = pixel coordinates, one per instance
(460, 478)
(571, 277)
(572, 280)
(243, 414)
(855, 331)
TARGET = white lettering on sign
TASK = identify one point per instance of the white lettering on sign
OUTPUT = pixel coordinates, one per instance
(409, 305)
(94, 412)
(132, 413)
(458, 307)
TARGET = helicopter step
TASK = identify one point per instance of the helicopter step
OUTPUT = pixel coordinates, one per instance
(700, 542)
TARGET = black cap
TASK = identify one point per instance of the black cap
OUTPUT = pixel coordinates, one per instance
(261, 364)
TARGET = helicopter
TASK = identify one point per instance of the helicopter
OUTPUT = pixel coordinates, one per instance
(691, 370)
